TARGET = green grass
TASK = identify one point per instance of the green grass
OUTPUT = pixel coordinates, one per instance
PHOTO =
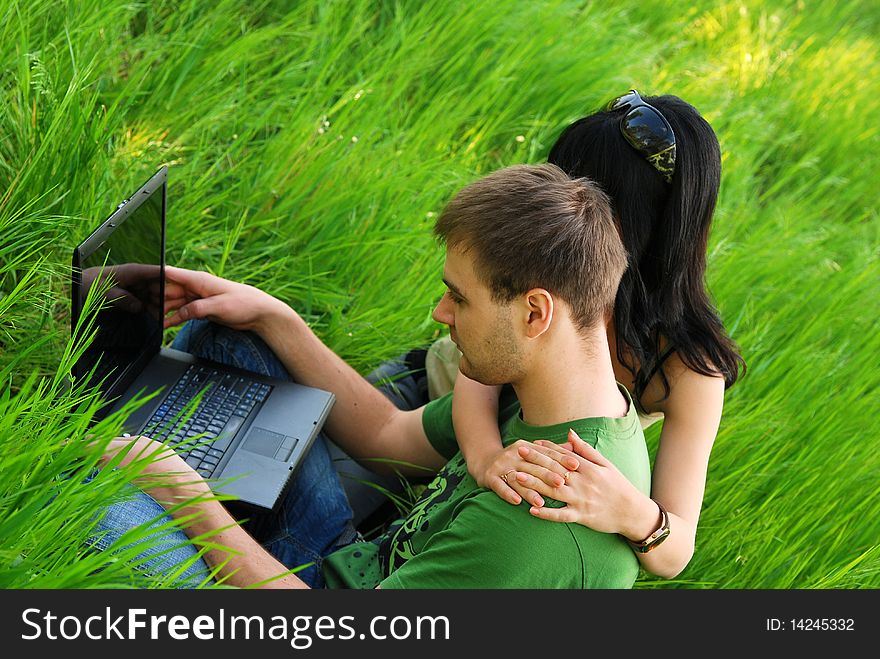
(310, 145)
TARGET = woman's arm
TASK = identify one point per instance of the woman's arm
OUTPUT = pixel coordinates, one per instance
(692, 416)
(475, 418)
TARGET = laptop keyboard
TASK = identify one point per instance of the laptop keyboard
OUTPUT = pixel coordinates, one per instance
(203, 436)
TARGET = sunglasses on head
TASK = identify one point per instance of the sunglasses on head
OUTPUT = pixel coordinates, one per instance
(647, 131)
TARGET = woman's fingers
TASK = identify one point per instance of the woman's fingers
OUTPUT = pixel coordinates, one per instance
(538, 485)
(511, 490)
(527, 493)
(544, 469)
(550, 458)
(564, 514)
(550, 477)
(502, 489)
(585, 450)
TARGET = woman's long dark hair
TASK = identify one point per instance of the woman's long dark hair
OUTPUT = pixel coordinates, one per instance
(665, 229)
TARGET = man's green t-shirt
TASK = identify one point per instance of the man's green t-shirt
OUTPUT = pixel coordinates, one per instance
(459, 535)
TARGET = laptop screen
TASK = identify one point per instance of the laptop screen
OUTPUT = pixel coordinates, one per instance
(124, 259)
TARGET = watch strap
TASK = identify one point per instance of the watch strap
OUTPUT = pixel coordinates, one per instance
(657, 536)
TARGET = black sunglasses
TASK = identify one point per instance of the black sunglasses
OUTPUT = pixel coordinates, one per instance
(647, 131)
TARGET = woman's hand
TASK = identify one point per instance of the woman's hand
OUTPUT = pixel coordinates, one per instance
(596, 493)
(190, 295)
(500, 473)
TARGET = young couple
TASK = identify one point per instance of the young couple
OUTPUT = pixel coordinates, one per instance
(580, 283)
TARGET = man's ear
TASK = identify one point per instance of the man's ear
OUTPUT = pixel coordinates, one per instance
(539, 307)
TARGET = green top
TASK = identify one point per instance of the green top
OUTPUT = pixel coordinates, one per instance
(459, 535)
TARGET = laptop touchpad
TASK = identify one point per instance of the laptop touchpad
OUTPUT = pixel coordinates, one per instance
(270, 444)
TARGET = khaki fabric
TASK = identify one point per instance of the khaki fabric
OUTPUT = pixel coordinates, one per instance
(441, 367)
(649, 419)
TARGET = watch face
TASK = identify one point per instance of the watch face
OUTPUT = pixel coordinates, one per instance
(651, 542)
(656, 537)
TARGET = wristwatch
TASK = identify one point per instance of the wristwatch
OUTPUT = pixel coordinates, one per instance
(657, 537)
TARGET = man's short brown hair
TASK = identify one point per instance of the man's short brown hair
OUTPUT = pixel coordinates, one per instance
(531, 226)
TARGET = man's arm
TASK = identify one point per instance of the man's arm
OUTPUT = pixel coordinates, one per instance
(363, 422)
(239, 559)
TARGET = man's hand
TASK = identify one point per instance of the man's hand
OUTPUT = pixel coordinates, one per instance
(165, 474)
(190, 295)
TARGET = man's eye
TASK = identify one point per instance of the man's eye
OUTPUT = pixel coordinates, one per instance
(455, 298)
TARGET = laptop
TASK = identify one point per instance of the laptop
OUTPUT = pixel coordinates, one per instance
(245, 432)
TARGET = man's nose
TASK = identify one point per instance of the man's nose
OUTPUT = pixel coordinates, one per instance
(443, 311)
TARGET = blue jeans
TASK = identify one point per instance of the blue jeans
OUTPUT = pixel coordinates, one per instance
(314, 519)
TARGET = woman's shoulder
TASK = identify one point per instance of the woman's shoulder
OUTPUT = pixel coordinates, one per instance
(688, 389)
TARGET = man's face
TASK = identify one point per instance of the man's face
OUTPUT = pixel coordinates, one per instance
(481, 327)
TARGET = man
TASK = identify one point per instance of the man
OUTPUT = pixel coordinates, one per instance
(532, 267)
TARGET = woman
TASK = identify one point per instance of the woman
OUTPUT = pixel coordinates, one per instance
(659, 161)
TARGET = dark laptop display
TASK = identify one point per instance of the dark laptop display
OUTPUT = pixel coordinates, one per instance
(247, 431)
(127, 255)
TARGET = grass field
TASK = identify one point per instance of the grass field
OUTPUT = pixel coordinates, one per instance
(311, 143)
